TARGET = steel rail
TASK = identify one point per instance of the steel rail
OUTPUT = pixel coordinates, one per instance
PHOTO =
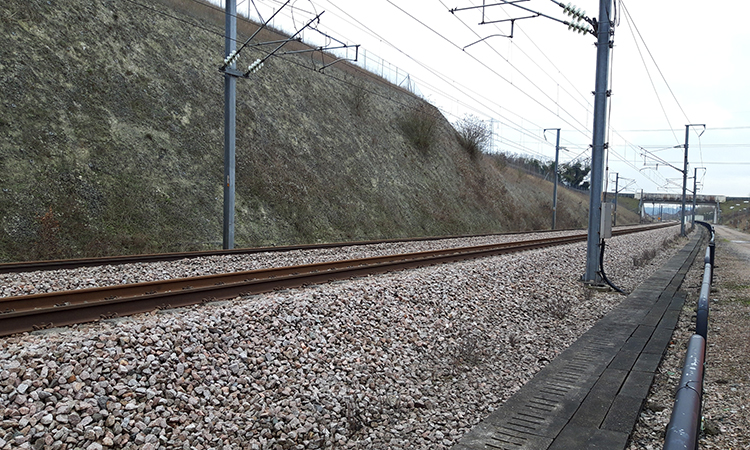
(56, 264)
(26, 313)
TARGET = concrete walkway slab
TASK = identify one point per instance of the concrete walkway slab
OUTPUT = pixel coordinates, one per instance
(590, 396)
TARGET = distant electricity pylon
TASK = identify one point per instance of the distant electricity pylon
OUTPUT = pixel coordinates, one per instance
(231, 74)
(602, 29)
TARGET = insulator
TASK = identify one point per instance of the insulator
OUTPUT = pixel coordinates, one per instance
(255, 66)
(231, 57)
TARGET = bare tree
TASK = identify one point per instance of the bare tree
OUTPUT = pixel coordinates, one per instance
(473, 134)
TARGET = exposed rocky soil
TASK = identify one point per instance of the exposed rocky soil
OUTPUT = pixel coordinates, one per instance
(111, 142)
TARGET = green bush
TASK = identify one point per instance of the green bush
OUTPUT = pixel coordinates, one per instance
(418, 126)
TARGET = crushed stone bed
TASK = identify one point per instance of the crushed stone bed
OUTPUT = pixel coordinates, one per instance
(405, 360)
(37, 282)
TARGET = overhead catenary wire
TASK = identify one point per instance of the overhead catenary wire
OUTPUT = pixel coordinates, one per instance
(468, 92)
(586, 104)
(625, 152)
(507, 122)
(509, 143)
(574, 127)
(627, 13)
(492, 113)
(662, 130)
(453, 44)
(610, 129)
(516, 127)
(648, 73)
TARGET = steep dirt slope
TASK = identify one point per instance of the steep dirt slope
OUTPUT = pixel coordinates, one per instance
(111, 141)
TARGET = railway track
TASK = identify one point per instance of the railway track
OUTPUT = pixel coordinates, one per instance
(61, 264)
(30, 312)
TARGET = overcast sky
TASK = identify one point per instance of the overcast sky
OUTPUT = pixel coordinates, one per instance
(674, 63)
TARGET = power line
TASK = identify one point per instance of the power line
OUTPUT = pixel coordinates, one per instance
(663, 130)
(660, 147)
(586, 101)
(650, 79)
(627, 13)
(478, 61)
(503, 78)
(458, 86)
(516, 127)
(506, 121)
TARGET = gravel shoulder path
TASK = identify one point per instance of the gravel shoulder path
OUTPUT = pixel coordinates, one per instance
(726, 400)
(406, 360)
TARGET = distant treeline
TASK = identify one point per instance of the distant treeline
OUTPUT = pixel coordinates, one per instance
(574, 174)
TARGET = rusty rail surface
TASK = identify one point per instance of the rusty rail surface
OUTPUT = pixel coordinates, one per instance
(29, 312)
(57, 264)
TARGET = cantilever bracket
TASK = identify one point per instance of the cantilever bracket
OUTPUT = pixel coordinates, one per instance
(510, 36)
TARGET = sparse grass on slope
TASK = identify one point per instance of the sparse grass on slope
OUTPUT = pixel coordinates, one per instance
(111, 142)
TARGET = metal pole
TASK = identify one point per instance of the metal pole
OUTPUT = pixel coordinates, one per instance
(684, 182)
(717, 210)
(557, 177)
(641, 208)
(601, 95)
(230, 113)
(695, 194)
(614, 216)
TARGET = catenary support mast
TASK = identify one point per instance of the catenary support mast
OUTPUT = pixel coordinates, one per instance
(230, 114)
(601, 97)
(684, 182)
(557, 175)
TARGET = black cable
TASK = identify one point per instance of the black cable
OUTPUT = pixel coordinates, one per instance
(175, 18)
(150, 8)
(627, 13)
(498, 74)
(522, 73)
(460, 88)
(604, 276)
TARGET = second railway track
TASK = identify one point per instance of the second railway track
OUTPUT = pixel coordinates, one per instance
(26, 313)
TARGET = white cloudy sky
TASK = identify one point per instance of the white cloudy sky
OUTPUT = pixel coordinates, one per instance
(675, 62)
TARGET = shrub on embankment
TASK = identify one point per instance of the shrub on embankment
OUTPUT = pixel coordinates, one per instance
(111, 142)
